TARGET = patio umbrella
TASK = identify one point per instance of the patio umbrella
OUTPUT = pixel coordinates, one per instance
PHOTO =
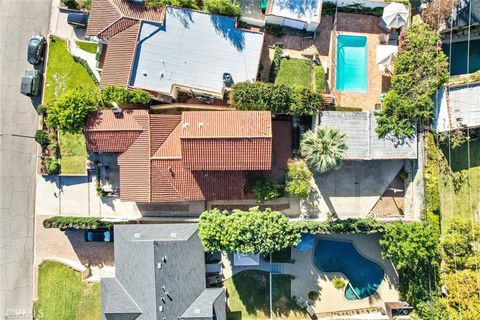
(306, 243)
(395, 15)
(385, 54)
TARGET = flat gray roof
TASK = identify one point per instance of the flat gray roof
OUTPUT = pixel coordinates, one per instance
(194, 49)
(462, 109)
(362, 139)
(302, 10)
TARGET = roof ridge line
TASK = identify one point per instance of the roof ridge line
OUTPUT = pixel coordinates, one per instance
(227, 137)
(164, 141)
(113, 130)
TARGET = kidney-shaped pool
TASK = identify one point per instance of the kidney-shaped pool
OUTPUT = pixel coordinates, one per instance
(363, 274)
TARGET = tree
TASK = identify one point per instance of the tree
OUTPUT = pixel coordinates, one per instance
(222, 7)
(437, 12)
(414, 250)
(69, 112)
(323, 149)
(297, 179)
(462, 300)
(251, 231)
(457, 243)
(420, 69)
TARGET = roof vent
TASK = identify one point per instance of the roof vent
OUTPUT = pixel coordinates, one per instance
(159, 265)
(164, 258)
(160, 308)
(186, 125)
(200, 125)
(196, 311)
(144, 73)
(137, 235)
(117, 110)
(173, 235)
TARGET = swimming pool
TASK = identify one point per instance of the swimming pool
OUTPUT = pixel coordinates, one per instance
(363, 274)
(351, 64)
(458, 61)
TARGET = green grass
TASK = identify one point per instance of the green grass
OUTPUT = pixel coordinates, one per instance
(63, 72)
(87, 46)
(283, 304)
(62, 295)
(73, 153)
(294, 73)
(248, 295)
(461, 202)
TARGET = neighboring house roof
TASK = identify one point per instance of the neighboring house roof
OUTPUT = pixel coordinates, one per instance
(194, 49)
(157, 166)
(104, 13)
(466, 13)
(362, 140)
(301, 10)
(456, 107)
(160, 274)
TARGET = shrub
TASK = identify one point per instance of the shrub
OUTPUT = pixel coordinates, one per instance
(350, 225)
(457, 243)
(191, 4)
(274, 30)
(41, 137)
(313, 295)
(222, 7)
(265, 190)
(82, 223)
(275, 67)
(297, 179)
(69, 112)
(338, 283)
(70, 4)
(319, 78)
(251, 231)
(53, 167)
(306, 102)
(121, 95)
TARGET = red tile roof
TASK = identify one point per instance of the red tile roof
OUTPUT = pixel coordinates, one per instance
(153, 166)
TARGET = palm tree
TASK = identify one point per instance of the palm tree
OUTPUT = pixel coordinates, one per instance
(324, 148)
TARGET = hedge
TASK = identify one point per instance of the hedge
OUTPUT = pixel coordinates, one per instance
(118, 94)
(81, 223)
(275, 67)
(350, 225)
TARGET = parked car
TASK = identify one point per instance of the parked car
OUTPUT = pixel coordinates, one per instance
(36, 46)
(31, 80)
(99, 235)
(78, 19)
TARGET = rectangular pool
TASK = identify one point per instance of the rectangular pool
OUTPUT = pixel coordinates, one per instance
(351, 64)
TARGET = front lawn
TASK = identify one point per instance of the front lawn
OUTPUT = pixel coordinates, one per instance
(63, 72)
(73, 153)
(62, 295)
(294, 73)
(90, 47)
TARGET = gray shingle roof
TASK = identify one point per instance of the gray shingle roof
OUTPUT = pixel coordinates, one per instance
(362, 140)
(202, 307)
(160, 268)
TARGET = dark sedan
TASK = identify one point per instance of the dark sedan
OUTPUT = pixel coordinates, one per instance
(78, 19)
(36, 46)
(99, 236)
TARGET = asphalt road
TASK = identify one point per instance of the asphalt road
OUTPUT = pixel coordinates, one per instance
(19, 19)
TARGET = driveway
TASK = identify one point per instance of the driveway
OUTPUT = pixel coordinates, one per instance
(353, 190)
(19, 19)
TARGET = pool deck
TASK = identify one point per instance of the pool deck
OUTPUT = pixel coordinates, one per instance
(309, 278)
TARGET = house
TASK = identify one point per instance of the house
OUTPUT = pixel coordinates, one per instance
(196, 156)
(457, 107)
(160, 274)
(298, 14)
(362, 140)
(172, 50)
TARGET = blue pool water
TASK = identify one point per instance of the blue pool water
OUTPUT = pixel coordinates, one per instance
(458, 60)
(363, 274)
(351, 64)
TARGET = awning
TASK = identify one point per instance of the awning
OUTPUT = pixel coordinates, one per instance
(395, 15)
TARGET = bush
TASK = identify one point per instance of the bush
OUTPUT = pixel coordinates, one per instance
(313, 295)
(265, 190)
(297, 179)
(71, 4)
(274, 30)
(222, 7)
(319, 78)
(251, 231)
(81, 223)
(190, 4)
(121, 95)
(53, 167)
(275, 67)
(328, 9)
(338, 283)
(41, 137)
(276, 98)
(350, 225)
(69, 112)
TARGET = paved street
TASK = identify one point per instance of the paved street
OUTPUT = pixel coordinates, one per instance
(19, 19)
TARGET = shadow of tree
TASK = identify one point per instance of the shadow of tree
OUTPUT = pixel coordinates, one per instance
(253, 289)
(225, 26)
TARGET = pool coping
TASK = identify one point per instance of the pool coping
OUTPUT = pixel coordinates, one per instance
(366, 62)
(312, 258)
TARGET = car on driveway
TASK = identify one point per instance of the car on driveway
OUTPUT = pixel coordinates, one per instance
(36, 46)
(99, 235)
(78, 19)
(31, 80)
